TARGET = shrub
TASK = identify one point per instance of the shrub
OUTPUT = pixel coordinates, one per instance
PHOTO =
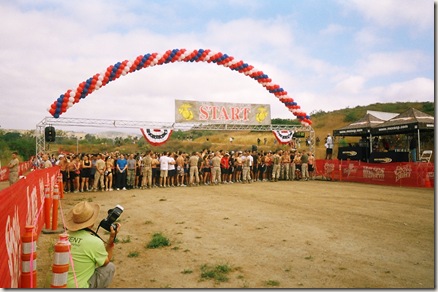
(158, 240)
(217, 273)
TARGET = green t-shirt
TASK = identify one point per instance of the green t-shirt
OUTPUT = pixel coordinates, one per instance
(88, 253)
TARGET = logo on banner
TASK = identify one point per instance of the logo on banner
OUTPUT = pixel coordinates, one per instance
(262, 114)
(186, 112)
(350, 170)
(13, 247)
(373, 172)
(402, 172)
(383, 160)
(349, 153)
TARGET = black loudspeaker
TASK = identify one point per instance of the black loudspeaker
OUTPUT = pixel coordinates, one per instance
(50, 134)
(254, 148)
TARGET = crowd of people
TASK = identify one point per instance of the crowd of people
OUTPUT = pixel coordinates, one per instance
(119, 171)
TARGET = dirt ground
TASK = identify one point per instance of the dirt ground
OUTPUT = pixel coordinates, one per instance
(301, 234)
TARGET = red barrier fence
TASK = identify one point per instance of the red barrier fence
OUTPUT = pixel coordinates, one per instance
(22, 205)
(22, 168)
(403, 174)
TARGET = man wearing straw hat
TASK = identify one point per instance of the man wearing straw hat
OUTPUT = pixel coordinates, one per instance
(91, 256)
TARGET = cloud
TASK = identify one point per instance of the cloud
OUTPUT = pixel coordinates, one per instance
(350, 85)
(384, 64)
(418, 89)
(411, 14)
(368, 38)
(333, 29)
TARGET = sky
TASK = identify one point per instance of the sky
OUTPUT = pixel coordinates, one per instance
(327, 54)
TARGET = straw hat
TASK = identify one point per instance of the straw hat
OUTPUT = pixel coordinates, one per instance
(82, 215)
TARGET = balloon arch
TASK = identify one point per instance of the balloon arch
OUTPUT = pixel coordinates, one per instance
(70, 97)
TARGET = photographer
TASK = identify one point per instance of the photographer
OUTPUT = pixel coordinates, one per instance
(91, 255)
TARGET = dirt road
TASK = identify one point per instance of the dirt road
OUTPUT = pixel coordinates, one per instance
(303, 234)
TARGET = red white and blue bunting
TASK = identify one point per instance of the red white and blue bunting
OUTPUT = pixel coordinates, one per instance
(283, 136)
(156, 137)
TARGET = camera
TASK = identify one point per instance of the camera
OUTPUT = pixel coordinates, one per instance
(113, 215)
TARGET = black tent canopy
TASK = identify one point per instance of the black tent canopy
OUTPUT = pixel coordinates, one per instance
(411, 121)
(361, 127)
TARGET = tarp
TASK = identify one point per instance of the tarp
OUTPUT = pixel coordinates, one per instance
(410, 121)
(361, 127)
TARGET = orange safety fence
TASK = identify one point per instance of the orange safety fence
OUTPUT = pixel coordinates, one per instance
(22, 205)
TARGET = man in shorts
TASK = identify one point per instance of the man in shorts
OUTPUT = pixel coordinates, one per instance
(164, 168)
(194, 171)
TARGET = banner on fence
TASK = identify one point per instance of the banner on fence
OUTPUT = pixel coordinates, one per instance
(406, 174)
(190, 111)
(21, 205)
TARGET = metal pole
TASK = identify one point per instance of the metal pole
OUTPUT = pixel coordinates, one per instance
(418, 143)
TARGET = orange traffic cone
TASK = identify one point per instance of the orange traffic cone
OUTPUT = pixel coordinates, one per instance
(61, 262)
(28, 258)
(427, 183)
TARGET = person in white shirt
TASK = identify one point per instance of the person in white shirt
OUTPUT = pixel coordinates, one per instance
(171, 171)
(164, 169)
(329, 147)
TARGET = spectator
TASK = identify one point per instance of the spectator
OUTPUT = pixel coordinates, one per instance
(194, 171)
(90, 254)
(164, 169)
(13, 168)
(109, 172)
(329, 147)
(46, 161)
(304, 166)
(99, 173)
(216, 169)
(131, 168)
(121, 170)
(85, 173)
(147, 171)
(413, 149)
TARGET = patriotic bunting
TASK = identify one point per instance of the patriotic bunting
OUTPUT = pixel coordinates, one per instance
(156, 137)
(283, 136)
